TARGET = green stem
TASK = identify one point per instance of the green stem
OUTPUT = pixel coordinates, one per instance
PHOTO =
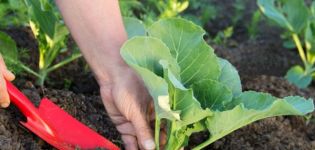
(64, 62)
(42, 78)
(170, 145)
(298, 44)
(204, 144)
(25, 68)
(29, 70)
(157, 132)
(41, 59)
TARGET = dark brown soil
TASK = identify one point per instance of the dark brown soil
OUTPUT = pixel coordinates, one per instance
(86, 108)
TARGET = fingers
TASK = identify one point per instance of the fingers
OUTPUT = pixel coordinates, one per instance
(130, 142)
(4, 75)
(8, 75)
(5, 72)
(124, 127)
(143, 131)
(4, 96)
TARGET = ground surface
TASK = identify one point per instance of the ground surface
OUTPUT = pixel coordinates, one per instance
(262, 63)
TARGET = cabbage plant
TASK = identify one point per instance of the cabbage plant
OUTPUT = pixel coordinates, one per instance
(51, 35)
(299, 20)
(193, 89)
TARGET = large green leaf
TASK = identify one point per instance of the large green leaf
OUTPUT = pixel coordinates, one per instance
(195, 58)
(291, 14)
(298, 77)
(253, 106)
(212, 94)
(144, 54)
(229, 77)
(134, 27)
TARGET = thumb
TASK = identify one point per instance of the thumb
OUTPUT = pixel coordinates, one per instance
(143, 131)
(8, 75)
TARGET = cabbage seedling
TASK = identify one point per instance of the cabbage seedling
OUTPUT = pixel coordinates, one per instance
(51, 35)
(298, 20)
(193, 89)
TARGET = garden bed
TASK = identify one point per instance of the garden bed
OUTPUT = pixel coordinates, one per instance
(262, 63)
(257, 73)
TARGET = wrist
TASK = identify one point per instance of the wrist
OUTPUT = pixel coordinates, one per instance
(109, 74)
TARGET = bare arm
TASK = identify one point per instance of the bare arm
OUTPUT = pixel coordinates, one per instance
(98, 30)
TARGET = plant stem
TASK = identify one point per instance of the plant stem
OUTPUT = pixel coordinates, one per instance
(29, 70)
(42, 77)
(41, 59)
(157, 132)
(298, 44)
(64, 62)
(204, 144)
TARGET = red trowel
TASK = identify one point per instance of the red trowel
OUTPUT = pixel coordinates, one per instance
(56, 126)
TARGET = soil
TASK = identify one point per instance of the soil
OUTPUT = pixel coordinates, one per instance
(86, 108)
(262, 63)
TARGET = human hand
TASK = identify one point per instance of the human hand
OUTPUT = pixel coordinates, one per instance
(128, 104)
(5, 74)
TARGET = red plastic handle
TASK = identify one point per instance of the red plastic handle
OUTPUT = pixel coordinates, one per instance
(22, 102)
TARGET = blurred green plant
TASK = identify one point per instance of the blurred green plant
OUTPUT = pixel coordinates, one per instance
(252, 27)
(153, 10)
(201, 11)
(239, 10)
(127, 7)
(51, 35)
(299, 22)
(13, 13)
(222, 36)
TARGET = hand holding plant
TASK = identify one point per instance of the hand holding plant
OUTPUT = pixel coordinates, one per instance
(128, 104)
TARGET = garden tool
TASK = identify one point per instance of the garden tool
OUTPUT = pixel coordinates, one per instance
(56, 126)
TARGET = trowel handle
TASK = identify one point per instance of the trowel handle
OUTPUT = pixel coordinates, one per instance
(21, 101)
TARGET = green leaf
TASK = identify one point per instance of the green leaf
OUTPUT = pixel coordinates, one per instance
(134, 27)
(143, 55)
(298, 77)
(183, 100)
(61, 34)
(8, 50)
(195, 58)
(45, 19)
(229, 77)
(212, 94)
(290, 14)
(310, 38)
(253, 106)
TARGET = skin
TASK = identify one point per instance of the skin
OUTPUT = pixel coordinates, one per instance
(98, 30)
(5, 74)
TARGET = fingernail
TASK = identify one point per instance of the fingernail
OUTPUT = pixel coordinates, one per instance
(5, 105)
(11, 74)
(149, 144)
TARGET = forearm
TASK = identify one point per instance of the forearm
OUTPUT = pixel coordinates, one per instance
(98, 30)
